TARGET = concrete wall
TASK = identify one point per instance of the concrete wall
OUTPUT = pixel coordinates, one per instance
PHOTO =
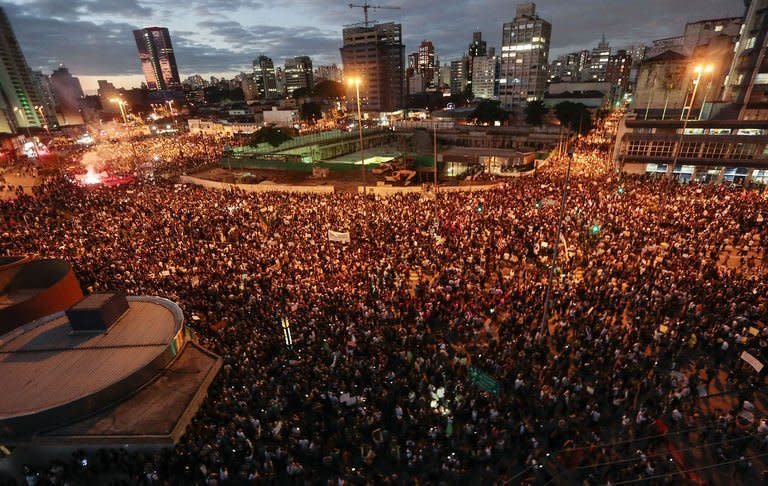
(208, 184)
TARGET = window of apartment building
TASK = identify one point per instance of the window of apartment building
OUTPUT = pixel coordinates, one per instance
(743, 151)
(661, 149)
(689, 149)
(714, 150)
(637, 148)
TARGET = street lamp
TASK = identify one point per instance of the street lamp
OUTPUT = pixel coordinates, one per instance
(39, 109)
(121, 103)
(709, 69)
(356, 82)
(686, 114)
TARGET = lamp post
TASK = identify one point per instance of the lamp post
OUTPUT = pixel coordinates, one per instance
(686, 115)
(121, 103)
(39, 109)
(709, 70)
(356, 82)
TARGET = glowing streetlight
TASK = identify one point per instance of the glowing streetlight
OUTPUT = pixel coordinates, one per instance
(39, 109)
(121, 103)
(709, 68)
(686, 114)
(355, 81)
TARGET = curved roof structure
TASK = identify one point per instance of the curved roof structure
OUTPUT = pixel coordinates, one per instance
(51, 376)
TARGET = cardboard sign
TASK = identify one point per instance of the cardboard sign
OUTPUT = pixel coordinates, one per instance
(752, 361)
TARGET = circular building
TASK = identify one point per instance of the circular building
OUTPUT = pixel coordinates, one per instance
(109, 371)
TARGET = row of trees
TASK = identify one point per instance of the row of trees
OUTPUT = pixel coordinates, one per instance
(575, 116)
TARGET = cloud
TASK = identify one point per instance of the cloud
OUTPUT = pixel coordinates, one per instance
(93, 37)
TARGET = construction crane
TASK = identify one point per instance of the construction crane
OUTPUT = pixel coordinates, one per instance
(367, 6)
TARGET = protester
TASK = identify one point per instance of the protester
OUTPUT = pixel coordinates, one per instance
(646, 304)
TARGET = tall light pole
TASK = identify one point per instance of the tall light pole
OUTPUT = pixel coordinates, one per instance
(356, 82)
(39, 109)
(121, 103)
(686, 115)
(709, 70)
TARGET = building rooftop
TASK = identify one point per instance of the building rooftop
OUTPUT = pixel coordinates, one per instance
(52, 376)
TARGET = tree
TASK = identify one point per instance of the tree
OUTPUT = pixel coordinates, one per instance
(271, 135)
(575, 116)
(489, 112)
(310, 111)
(534, 112)
(327, 89)
(301, 93)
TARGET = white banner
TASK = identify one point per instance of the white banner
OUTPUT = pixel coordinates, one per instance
(752, 361)
(339, 236)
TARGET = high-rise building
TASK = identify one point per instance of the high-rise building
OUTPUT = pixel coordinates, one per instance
(524, 57)
(747, 80)
(445, 75)
(484, 77)
(598, 62)
(426, 65)
(158, 61)
(375, 53)
(18, 93)
(250, 90)
(68, 95)
(298, 73)
(617, 70)
(413, 61)
(47, 100)
(266, 77)
(459, 77)
(477, 47)
(328, 73)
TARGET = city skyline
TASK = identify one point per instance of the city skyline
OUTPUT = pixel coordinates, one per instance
(223, 38)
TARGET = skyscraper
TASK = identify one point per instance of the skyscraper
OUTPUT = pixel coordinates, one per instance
(298, 73)
(375, 53)
(426, 64)
(598, 61)
(524, 57)
(265, 76)
(477, 47)
(459, 78)
(157, 59)
(18, 93)
(68, 95)
(484, 77)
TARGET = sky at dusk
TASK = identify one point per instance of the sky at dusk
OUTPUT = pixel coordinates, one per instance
(93, 38)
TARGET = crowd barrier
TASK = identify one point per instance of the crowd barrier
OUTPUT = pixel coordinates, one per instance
(264, 187)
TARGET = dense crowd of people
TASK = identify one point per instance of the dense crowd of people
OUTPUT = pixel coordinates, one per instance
(390, 329)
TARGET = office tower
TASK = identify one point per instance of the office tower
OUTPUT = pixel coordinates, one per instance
(598, 61)
(484, 77)
(157, 59)
(413, 61)
(426, 65)
(298, 73)
(375, 54)
(459, 78)
(618, 69)
(68, 95)
(47, 100)
(524, 57)
(477, 47)
(250, 90)
(329, 72)
(266, 77)
(18, 93)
